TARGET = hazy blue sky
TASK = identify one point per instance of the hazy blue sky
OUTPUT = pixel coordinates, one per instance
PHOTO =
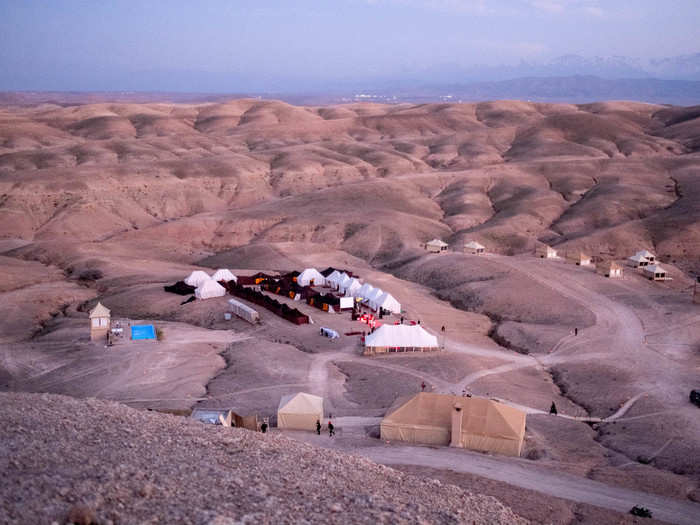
(220, 45)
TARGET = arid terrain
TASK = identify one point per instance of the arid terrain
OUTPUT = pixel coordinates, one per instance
(112, 201)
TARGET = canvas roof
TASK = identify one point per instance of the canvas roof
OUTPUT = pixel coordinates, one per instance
(375, 293)
(365, 290)
(223, 275)
(474, 245)
(644, 253)
(334, 276)
(351, 287)
(301, 403)
(437, 242)
(208, 289)
(482, 416)
(401, 335)
(654, 268)
(196, 278)
(99, 311)
(387, 301)
(311, 274)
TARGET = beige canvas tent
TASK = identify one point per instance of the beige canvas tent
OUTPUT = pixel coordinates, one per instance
(300, 411)
(581, 259)
(609, 269)
(546, 252)
(436, 246)
(466, 422)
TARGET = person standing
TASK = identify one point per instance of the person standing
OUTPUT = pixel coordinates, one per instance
(422, 386)
(331, 429)
(553, 409)
(263, 427)
(576, 331)
(318, 427)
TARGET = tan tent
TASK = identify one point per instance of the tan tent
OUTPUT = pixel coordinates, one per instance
(580, 258)
(546, 252)
(609, 269)
(300, 411)
(466, 422)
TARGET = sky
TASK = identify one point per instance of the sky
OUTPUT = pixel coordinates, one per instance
(276, 45)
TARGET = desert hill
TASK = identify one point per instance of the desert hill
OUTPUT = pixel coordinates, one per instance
(605, 177)
(131, 466)
(112, 201)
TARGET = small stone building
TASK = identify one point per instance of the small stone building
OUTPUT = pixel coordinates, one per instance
(436, 246)
(474, 248)
(100, 322)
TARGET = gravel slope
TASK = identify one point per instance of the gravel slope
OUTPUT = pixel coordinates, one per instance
(128, 466)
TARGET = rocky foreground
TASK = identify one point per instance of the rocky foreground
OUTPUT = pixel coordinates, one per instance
(66, 459)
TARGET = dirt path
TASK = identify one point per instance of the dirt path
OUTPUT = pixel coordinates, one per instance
(514, 471)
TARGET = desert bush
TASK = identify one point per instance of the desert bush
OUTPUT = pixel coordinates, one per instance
(641, 512)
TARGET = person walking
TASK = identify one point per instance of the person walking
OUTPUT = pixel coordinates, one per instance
(422, 386)
(576, 331)
(553, 409)
(263, 427)
(318, 427)
(331, 429)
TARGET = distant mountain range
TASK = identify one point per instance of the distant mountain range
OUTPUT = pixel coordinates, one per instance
(568, 78)
(684, 67)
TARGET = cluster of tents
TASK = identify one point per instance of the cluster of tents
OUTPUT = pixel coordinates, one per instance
(376, 298)
(434, 419)
(202, 285)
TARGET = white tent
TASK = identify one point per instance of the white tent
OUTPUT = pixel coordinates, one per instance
(402, 337)
(374, 294)
(196, 278)
(343, 280)
(364, 291)
(352, 287)
(300, 411)
(387, 301)
(208, 289)
(223, 275)
(310, 274)
(333, 279)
